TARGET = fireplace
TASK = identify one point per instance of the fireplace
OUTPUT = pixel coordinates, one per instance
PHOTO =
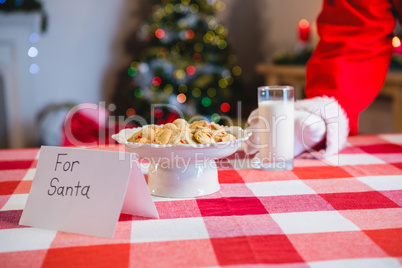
(17, 80)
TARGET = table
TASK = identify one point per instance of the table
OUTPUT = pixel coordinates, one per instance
(344, 211)
(296, 76)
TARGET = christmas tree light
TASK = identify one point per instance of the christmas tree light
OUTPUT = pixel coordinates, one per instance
(187, 61)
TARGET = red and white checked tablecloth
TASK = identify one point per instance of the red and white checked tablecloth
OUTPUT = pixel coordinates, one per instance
(344, 214)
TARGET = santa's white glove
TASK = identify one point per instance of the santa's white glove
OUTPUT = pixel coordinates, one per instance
(319, 122)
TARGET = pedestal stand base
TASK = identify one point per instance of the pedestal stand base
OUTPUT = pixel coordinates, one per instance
(190, 180)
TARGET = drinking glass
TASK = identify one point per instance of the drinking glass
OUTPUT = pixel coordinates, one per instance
(276, 127)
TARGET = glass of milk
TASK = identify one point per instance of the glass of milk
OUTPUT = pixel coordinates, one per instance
(276, 127)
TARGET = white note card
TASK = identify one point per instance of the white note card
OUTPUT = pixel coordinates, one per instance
(84, 191)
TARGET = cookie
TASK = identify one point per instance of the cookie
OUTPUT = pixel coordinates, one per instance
(181, 124)
(205, 130)
(222, 136)
(203, 137)
(180, 132)
(170, 126)
(142, 140)
(176, 136)
(163, 136)
(189, 138)
(156, 129)
(214, 126)
(183, 137)
(148, 133)
(199, 124)
(136, 136)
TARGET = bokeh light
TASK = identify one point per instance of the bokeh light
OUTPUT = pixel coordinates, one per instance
(304, 24)
(215, 117)
(198, 47)
(211, 92)
(194, 8)
(209, 36)
(219, 29)
(197, 57)
(156, 81)
(396, 42)
(168, 89)
(179, 8)
(144, 67)
(211, 20)
(222, 44)
(169, 8)
(206, 102)
(132, 71)
(223, 83)
(180, 74)
(34, 68)
(220, 6)
(33, 52)
(230, 80)
(157, 15)
(34, 38)
(237, 70)
(130, 112)
(190, 70)
(159, 33)
(182, 88)
(196, 92)
(181, 98)
(138, 93)
(216, 39)
(189, 34)
(225, 107)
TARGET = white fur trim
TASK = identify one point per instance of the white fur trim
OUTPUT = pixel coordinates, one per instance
(336, 121)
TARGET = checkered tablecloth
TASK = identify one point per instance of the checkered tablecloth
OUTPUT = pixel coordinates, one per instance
(341, 212)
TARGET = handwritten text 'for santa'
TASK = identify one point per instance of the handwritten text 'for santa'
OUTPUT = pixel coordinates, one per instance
(66, 190)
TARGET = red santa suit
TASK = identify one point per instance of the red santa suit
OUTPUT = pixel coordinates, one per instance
(352, 58)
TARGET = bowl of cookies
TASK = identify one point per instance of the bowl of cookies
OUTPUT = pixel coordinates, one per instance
(182, 156)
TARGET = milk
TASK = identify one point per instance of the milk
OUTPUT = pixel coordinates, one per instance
(276, 124)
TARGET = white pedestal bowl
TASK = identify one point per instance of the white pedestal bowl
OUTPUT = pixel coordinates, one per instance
(185, 170)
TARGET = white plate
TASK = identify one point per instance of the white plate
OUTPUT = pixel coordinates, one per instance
(182, 170)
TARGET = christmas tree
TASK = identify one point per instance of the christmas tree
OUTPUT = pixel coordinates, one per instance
(186, 63)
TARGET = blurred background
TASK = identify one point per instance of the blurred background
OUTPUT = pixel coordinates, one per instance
(55, 55)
